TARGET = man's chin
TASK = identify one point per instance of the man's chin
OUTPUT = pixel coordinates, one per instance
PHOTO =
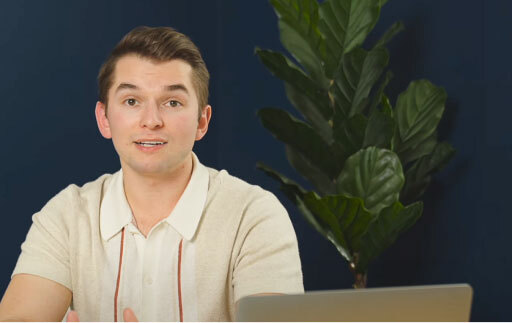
(152, 171)
(155, 168)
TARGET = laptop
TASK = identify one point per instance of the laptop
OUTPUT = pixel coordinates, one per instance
(414, 303)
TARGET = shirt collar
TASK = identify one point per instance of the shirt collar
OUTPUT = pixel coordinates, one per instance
(115, 212)
(188, 211)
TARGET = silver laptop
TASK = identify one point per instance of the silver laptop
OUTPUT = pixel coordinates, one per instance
(415, 303)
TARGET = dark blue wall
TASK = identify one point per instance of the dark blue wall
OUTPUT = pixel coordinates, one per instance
(51, 52)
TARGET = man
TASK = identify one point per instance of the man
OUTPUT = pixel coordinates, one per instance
(165, 238)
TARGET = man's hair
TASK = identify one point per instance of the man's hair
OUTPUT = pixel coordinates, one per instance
(160, 44)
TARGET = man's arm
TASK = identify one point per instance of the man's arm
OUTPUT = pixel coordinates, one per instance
(33, 298)
(268, 261)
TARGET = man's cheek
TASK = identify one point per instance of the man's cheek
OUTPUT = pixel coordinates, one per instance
(185, 125)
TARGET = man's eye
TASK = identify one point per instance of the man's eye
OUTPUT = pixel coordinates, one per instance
(131, 102)
(173, 103)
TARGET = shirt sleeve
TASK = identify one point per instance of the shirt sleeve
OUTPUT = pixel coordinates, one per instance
(45, 251)
(268, 261)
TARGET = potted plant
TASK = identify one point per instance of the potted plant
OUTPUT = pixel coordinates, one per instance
(368, 161)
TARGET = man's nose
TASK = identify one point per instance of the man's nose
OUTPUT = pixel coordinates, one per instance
(151, 117)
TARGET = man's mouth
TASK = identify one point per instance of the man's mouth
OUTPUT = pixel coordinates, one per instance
(150, 143)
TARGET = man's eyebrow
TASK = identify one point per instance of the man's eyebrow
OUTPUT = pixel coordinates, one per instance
(124, 86)
(173, 87)
(176, 87)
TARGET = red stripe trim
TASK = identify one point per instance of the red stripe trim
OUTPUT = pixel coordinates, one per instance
(118, 275)
(179, 280)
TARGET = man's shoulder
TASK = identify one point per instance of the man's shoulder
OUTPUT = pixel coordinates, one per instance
(75, 198)
(88, 190)
(221, 182)
(230, 191)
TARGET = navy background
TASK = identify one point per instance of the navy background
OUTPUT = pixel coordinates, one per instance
(51, 52)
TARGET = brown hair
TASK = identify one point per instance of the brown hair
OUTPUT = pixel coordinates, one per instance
(160, 44)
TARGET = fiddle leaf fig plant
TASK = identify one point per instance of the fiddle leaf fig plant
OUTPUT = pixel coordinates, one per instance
(369, 162)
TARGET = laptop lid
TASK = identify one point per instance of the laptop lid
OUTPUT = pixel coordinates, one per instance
(414, 303)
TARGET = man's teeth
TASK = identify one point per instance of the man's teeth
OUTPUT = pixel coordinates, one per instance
(150, 143)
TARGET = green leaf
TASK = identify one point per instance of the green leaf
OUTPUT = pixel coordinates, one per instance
(310, 172)
(310, 111)
(334, 233)
(349, 136)
(373, 174)
(409, 153)
(379, 94)
(356, 76)
(386, 104)
(345, 25)
(300, 136)
(282, 68)
(390, 33)
(346, 219)
(337, 218)
(418, 111)
(418, 176)
(352, 216)
(388, 109)
(325, 224)
(380, 130)
(442, 154)
(298, 25)
(291, 188)
(382, 233)
(295, 193)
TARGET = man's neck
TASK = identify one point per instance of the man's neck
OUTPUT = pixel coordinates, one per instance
(153, 198)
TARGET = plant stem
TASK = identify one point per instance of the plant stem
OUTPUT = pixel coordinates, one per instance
(360, 280)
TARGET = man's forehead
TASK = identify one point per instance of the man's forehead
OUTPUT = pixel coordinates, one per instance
(137, 72)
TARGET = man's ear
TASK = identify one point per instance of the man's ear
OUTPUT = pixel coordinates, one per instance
(204, 120)
(101, 119)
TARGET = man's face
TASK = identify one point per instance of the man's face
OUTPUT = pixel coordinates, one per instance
(152, 115)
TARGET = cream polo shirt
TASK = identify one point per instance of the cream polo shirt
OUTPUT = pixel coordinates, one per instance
(224, 240)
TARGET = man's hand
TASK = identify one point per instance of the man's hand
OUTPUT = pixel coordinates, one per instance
(72, 317)
(128, 316)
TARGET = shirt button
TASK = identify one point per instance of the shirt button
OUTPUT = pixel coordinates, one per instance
(148, 280)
